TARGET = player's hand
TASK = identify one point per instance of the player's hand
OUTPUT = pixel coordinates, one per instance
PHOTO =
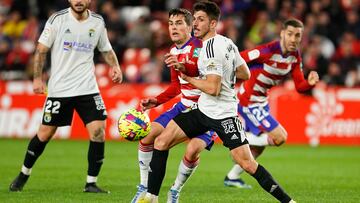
(184, 76)
(38, 86)
(116, 74)
(148, 103)
(313, 78)
(172, 61)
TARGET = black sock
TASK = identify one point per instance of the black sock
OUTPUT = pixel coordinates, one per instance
(268, 183)
(95, 157)
(157, 171)
(34, 150)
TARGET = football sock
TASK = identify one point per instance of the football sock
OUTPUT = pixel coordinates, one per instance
(186, 169)
(268, 183)
(34, 150)
(95, 158)
(235, 172)
(145, 153)
(259, 140)
(157, 171)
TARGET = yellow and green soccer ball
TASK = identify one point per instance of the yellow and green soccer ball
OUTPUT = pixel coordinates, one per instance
(134, 125)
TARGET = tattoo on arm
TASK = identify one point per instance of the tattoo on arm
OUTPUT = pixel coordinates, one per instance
(110, 58)
(39, 62)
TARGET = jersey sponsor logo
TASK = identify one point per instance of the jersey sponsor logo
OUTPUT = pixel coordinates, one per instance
(46, 33)
(91, 32)
(196, 52)
(78, 46)
(211, 67)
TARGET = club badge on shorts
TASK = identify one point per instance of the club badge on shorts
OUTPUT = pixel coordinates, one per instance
(47, 117)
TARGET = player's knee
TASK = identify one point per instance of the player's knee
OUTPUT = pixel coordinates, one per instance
(249, 165)
(280, 139)
(192, 152)
(98, 135)
(161, 143)
(45, 133)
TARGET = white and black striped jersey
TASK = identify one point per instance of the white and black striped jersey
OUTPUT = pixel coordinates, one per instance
(220, 56)
(72, 46)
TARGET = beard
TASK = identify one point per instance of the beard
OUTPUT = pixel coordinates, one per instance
(77, 9)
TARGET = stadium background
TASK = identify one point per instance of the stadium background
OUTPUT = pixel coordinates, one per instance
(330, 114)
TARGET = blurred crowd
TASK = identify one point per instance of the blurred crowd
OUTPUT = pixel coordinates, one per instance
(138, 33)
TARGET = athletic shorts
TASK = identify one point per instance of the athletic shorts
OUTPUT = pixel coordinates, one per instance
(58, 111)
(208, 136)
(257, 119)
(228, 129)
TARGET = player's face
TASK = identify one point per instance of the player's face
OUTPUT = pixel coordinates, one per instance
(178, 29)
(201, 24)
(291, 38)
(79, 6)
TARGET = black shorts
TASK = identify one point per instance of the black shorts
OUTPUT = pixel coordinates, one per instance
(229, 129)
(58, 111)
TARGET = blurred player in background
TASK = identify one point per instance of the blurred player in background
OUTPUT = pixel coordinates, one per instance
(72, 35)
(269, 64)
(219, 64)
(183, 57)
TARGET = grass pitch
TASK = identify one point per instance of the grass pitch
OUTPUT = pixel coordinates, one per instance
(323, 174)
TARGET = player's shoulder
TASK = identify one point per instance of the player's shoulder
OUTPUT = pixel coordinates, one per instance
(97, 17)
(195, 42)
(55, 17)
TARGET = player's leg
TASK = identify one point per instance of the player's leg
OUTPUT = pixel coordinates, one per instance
(233, 137)
(188, 164)
(92, 112)
(172, 135)
(146, 147)
(56, 112)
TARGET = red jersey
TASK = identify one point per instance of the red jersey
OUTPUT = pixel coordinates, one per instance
(188, 55)
(268, 66)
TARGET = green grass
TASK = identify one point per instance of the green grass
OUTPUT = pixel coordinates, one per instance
(323, 174)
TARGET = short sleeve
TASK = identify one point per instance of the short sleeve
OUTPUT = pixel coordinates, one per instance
(104, 43)
(213, 59)
(238, 59)
(48, 35)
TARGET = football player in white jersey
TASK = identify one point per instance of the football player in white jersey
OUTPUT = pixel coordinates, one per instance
(219, 64)
(72, 36)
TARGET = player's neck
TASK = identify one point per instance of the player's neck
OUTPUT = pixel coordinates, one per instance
(80, 16)
(182, 43)
(209, 35)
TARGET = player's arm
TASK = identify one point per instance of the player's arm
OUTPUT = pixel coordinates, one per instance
(39, 62)
(170, 92)
(111, 59)
(211, 85)
(301, 84)
(242, 70)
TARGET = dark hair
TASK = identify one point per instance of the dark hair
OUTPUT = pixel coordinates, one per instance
(210, 8)
(292, 22)
(181, 11)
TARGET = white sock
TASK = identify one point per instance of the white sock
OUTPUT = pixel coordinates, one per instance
(91, 179)
(26, 171)
(235, 172)
(145, 153)
(259, 140)
(186, 169)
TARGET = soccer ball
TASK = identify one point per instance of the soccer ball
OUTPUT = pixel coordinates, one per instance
(134, 125)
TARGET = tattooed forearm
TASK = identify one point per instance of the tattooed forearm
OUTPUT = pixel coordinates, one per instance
(39, 61)
(110, 58)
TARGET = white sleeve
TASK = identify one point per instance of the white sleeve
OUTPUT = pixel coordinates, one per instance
(104, 43)
(214, 59)
(238, 59)
(48, 35)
